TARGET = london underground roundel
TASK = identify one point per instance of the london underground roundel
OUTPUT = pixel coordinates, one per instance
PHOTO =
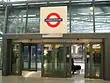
(49, 20)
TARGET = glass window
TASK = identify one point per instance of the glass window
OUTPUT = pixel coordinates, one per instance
(0, 55)
(18, 0)
(68, 20)
(17, 21)
(2, 15)
(53, 58)
(33, 20)
(102, 19)
(81, 19)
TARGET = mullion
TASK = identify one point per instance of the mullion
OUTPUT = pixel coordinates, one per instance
(29, 63)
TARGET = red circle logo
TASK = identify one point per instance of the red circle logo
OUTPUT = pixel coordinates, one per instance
(48, 20)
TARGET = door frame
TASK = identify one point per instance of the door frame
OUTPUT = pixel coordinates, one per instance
(29, 63)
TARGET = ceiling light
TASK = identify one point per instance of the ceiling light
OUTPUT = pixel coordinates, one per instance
(91, 8)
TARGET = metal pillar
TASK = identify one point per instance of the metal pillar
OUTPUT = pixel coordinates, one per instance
(70, 15)
(93, 15)
(26, 25)
(5, 20)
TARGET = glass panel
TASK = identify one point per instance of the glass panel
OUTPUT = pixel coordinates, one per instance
(16, 59)
(39, 56)
(102, 19)
(93, 60)
(54, 0)
(33, 20)
(87, 60)
(54, 60)
(33, 57)
(47, 57)
(26, 57)
(68, 20)
(0, 58)
(59, 60)
(96, 60)
(82, 19)
(68, 61)
(2, 16)
(17, 21)
(16, 1)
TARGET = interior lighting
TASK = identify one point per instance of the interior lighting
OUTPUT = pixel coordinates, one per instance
(91, 8)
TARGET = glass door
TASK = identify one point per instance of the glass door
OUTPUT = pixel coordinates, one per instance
(25, 57)
(94, 53)
(16, 64)
(33, 57)
(54, 60)
(68, 60)
(39, 57)
(30, 57)
(87, 53)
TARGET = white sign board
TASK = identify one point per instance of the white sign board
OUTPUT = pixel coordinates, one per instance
(53, 20)
(52, 35)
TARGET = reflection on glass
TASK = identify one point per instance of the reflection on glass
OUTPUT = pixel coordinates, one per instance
(48, 53)
(53, 60)
(16, 59)
(2, 16)
(33, 20)
(82, 19)
(102, 19)
(39, 56)
(26, 57)
(87, 58)
(96, 60)
(33, 57)
(93, 60)
(17, 21)
(0, 58)
(59, 52)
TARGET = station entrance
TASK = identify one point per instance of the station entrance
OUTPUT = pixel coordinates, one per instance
(53, 59)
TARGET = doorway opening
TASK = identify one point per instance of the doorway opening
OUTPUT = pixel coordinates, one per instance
(54, 64)
(26, 59)
(88, 56)
(54, 59)
(31, 58)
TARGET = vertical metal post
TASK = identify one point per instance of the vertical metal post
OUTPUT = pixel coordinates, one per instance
(4, 57)
(29, 63)
(26, 25)
(47, 3)
(5, 20)
(93, 4)
(70, 45)
(36, 57)
(42, 61)
(64, 57)
(70, 14)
